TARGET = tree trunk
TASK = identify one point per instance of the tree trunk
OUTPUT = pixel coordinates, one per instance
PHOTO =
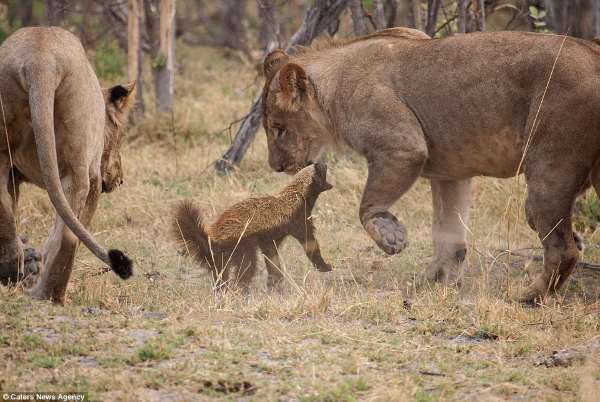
(378, 14)
(269, 35)
(165, 63)
(116, 16)
(462, 16)
(233, 32)
(134, 54)
(24, 13)
(318, 18)
(415, 14)
(482, 15)
(392, 7)
(55, 12)
(433, 6)
(358, 20)
(595, 18)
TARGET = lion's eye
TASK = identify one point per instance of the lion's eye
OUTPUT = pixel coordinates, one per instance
(279, 133)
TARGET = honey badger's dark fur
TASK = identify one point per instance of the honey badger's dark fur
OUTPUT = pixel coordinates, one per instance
(233, 240)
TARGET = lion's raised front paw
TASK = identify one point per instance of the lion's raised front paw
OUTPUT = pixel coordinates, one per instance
(389, 234)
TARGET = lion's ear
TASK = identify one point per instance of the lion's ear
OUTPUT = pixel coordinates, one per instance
(120, 96)
(294, 85)
(273, 63)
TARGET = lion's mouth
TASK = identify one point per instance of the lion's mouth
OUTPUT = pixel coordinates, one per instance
(109, 187)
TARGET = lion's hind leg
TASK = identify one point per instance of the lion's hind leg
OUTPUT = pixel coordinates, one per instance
(60, 247)
(11, 250)
(549, 207)
(451, 200)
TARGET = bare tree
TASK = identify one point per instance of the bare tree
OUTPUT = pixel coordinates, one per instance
(23, 13)
(116, 17)
(134, 53)
(433, 6)
(358, 20)
(379, 14)
(55, 11)
(232, 14)
(595, 18)
(481, 15)
(319, 17)
(270, 35)
(164, 65)
(462, 16)
(415, 14)
(392, 12)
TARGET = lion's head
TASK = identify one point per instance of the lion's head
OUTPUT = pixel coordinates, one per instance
(117, 99)
(297, 127)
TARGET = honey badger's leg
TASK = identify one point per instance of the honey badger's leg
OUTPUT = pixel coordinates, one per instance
(11, 251)
(219, 267)
(246, 266)
(305, 234)
(396, 153)
(451, 200)
(272, 262)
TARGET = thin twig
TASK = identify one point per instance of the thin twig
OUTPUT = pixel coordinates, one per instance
(539, 258)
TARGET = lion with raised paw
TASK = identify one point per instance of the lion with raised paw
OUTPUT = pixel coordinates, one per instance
(512, 103)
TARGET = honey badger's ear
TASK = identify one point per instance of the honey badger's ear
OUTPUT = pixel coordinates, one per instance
(273, 63)
(294, 86)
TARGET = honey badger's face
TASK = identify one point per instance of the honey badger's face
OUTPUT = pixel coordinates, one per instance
(320, 177)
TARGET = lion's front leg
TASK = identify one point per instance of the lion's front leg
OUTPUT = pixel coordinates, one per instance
(60, 247)
(451, 201)
(391, 174)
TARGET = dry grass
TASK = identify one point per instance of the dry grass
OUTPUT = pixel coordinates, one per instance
(362, 332)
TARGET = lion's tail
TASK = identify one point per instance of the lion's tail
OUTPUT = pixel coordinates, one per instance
(42, 81)
(188, 228)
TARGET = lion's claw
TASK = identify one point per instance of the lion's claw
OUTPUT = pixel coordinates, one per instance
(389, 234)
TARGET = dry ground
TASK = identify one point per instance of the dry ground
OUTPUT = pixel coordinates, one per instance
(362, 332)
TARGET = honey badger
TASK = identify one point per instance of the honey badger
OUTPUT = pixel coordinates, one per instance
(232, 241)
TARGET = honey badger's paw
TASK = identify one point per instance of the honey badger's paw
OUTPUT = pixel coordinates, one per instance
(389, 234)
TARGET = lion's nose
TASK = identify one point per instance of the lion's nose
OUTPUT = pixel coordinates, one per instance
(121, 181)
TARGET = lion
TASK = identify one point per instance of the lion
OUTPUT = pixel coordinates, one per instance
(495, 104)
(234, 238)
(63, 134)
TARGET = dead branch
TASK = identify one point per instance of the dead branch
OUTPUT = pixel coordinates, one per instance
(322, 15)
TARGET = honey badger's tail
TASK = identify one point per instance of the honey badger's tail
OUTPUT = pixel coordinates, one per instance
(189, 231)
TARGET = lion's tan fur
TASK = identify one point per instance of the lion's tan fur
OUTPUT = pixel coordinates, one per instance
(234, 238)
(65, 136)
(447, 109)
